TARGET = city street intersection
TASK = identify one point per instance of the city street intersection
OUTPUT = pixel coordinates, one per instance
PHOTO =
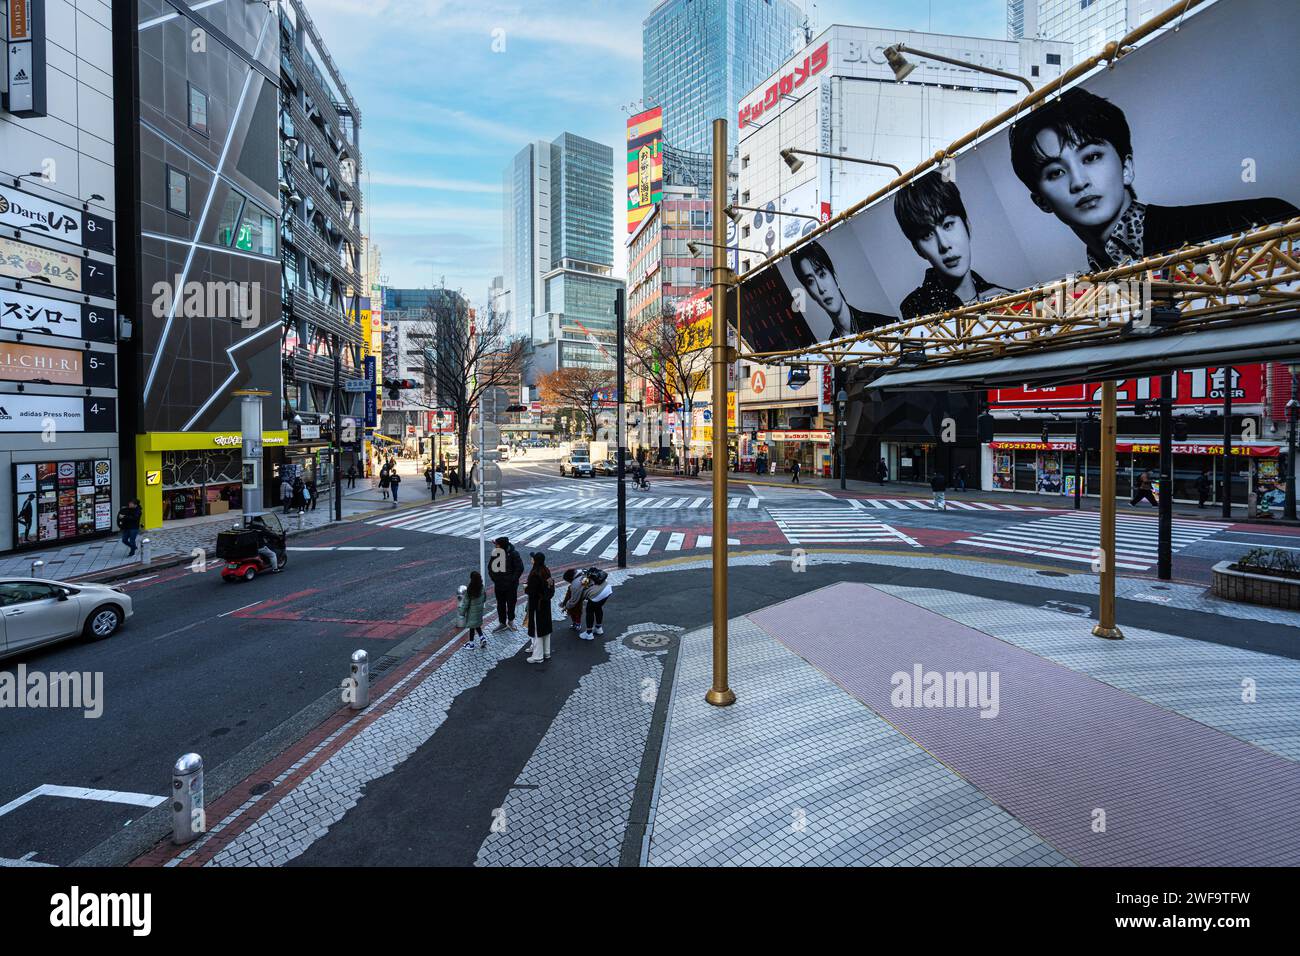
(607, 755)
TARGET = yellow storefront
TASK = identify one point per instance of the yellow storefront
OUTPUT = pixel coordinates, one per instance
(192, 474)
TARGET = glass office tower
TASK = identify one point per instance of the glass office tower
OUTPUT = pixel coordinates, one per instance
(700, 56)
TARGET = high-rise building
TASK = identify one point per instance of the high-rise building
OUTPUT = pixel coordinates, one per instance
(416, 320)
(320, 165)
(700, 56)
(1086, 24)
(559, 250)
(61, 478)
(198, 201)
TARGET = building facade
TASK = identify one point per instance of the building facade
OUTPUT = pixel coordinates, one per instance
(416, 320)
(700, 56)
(61, 474)
(1088, 25)
(558, 237)
(197, 97)
(323, 339)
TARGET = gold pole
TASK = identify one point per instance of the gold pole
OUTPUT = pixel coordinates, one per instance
(720, 694)
(1106, 599)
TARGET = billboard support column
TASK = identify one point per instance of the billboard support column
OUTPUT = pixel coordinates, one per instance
(250, 420)
(1164, 532)
(720, 694)
(1227, 442)
(1106, 599)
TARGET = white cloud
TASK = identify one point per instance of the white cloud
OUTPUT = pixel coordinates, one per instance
(423, 182)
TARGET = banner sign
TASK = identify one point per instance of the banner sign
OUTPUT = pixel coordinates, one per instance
(1202, 386)
(1145, 448)
(372, 418)
(61, 500)
(21, 362)
(28, 413)
(54, 220)
(1095, 177)
(820, 437)
(25, 49)
(695, 321)
(21, 312)
(645, 164)
(28, 263)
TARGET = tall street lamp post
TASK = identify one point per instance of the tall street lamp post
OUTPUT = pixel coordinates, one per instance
(841, 400)
(1292, 409)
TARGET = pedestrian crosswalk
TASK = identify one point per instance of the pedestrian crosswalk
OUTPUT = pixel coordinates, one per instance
(1075, 536)
(641, 501)
(597, 538)
(835, 523)
(927, 504)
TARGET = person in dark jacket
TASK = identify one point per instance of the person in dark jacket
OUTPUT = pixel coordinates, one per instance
(286, 493)
(299, 499)
(882, 471)
(961, 477)
(939, 485)
(1143, 490)
(454, 477)
(1203, 488)
(795, 468)
(505, 568)
(394, 482)
(128, 520)
(540, 590)
(352, 476)
(1074, 153)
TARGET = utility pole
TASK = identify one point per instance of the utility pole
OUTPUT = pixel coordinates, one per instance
(337, 450)
(620, 307)
(1227, 441)
(1106, 551)
(720, 693)
(1291, 409)
(1164, 546)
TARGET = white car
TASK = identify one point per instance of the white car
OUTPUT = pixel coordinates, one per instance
(35, 611)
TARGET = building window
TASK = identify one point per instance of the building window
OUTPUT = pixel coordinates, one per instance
(744, 162)
(1033, 70)
(198, 110)
(744, 197)
(178, 192)
(229, 221)
(256, 231)
(1053, 59)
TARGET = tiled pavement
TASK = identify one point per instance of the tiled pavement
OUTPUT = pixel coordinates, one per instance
(798, 773)
(1054, 745)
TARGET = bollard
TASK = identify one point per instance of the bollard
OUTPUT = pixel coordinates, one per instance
(37, 567)
(145, 551)
(360, 680)
(188, 819)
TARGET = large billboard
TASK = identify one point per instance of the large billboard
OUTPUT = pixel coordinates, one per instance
(1159, 151)
(645, 164)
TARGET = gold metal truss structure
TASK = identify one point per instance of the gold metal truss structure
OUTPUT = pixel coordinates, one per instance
(1231, 282)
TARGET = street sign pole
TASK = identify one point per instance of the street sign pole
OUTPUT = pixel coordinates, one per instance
(1106, 552)
(1164, 531)
(621, 438)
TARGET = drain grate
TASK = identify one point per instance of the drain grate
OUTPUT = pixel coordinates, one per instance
(382, 666)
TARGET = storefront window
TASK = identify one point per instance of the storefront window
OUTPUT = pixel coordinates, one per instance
(1026, 475)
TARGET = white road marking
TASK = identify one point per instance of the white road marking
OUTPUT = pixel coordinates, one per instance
(244, 608)
(647, 542)
(675, 541)
(84, 793)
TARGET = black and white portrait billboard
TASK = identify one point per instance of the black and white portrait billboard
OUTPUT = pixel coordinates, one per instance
(1169, 147)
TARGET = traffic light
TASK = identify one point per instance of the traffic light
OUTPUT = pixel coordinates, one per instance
(1091, 433)
(394, 388)
(985, 423)
(1046, 436)
(798, 376)
(1180, 430)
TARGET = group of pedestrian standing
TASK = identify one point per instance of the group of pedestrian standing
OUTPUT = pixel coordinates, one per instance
(297, 494)
(437, 476)
(588, 590)
(389, 480)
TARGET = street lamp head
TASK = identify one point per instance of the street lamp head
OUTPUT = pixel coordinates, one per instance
(791, 160)
(900, 64)
(693, 248)
(733, 214)
(843, 396)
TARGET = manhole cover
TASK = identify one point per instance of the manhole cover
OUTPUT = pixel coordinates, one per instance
(650, 641)
(1052, 574)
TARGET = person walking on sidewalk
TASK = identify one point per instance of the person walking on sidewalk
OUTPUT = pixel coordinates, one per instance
(1143, 490)
(428, 478)
(394, 481)
(961, 477)
(939, 484)
(596, 590)
(454, 478)
(352, 476)
(128, 521)
(286, 493)
(437, 483)
(540, 591)
(299, 497)
(469, 606)
(882, 472)
(1203, 487)
(505, 568)
(795, 468)
(572, 603)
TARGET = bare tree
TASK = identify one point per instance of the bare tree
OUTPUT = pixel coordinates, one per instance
(579, 388)
(661, 349)
(466, 355)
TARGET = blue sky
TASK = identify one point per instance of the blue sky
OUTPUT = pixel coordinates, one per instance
(442, 113)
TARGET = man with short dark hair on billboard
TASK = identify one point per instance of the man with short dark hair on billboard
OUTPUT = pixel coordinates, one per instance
(1075, 155)
(815, 272)
(931, 214)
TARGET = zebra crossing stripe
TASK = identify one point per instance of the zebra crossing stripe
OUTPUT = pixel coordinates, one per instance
(547, 535)
(528, 533)
(675, 541)
(569, 538)
(706, 541)
(595, 538)
(647, 542)
(831, 524)
(698, 501)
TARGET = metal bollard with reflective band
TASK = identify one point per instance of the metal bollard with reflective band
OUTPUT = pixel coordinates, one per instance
(360, 680)
(188, 819)
(146, 550)
(37, 567)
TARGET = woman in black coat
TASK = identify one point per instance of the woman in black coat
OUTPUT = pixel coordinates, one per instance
(540, 589)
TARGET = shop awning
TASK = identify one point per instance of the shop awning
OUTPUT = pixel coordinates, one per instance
(1129, 358)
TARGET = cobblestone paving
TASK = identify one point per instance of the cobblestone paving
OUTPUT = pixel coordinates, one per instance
(574, 797)
(799, 773)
